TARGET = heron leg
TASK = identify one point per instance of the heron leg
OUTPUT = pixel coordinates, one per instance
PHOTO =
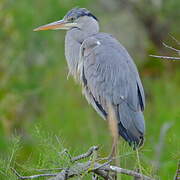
(113, 126)
(114, 149)
(113, 156)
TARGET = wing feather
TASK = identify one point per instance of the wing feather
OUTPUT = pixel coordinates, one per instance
(111, 76)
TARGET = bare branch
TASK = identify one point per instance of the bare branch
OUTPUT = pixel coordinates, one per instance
(98, 169)
(33, 176)
(172, 48)
(79, 169)
(129, 172)
(105, 170)
(85, 155)
(166, 57)
(102, 165)
(51, 169)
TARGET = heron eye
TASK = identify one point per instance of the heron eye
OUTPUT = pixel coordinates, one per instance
(71, 19)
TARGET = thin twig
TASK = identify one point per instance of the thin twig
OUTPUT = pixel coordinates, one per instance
(33, 176)
(67, 154)
(174, 39)
(51, 169)
(172, 48)
(85, 155)
(129, 172)
(165, 57)
(169, 47)
(102, 165)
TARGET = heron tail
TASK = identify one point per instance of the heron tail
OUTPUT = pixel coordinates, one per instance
(131, 125)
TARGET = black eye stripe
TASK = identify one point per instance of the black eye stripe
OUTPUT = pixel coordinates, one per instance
(91, 15)
(87, 14)
(78, 12)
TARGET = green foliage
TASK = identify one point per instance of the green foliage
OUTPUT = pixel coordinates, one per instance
(41, 112)
(47, 151)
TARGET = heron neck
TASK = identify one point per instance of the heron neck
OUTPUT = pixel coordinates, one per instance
(74, 39)
(87, 27)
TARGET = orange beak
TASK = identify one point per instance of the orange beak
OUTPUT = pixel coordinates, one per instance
(56, 25)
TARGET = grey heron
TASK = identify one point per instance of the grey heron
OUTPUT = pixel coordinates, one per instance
(107, 73)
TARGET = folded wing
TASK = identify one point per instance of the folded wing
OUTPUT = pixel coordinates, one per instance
(110, 76)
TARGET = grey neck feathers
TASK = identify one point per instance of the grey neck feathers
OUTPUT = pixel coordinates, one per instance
(74, 38)
(87, 26)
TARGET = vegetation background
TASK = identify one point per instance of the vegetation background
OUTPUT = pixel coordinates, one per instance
(42, 113)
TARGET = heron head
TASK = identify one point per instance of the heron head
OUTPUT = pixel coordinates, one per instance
(75, 18)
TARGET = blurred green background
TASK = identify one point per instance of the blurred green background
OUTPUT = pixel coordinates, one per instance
(41, 112)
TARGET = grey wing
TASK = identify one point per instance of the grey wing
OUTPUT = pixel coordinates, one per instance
(109, 76)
